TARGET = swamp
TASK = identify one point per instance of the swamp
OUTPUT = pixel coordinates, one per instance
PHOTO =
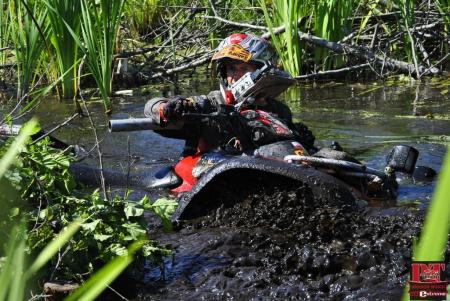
(80, 220)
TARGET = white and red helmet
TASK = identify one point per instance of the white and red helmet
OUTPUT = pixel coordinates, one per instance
(247, 48)
(243, 47)
(252, 49)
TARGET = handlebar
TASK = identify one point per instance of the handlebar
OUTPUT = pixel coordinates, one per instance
(138, 124)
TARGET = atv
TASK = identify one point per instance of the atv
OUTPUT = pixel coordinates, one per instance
(259, 150)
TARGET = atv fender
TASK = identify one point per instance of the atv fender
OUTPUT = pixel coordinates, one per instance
(199, 201)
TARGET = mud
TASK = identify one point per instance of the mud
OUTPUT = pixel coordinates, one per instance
(282, 243)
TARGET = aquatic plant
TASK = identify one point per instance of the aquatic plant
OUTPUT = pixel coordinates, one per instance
(407, 22)
(41, 176)
(100, 22)
(61, 15)
(444, 9)
(4, 30)
(39, 203)
(331, 22)
(141, 15)
(288, 45)
(29, 33)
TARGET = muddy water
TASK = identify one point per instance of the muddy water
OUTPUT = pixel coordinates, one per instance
(328, 253)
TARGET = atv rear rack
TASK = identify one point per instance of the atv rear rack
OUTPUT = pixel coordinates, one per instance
(352, 169)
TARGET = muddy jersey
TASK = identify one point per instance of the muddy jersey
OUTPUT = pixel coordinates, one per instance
(211, 137)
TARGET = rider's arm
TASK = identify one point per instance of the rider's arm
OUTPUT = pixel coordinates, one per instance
(163, 110)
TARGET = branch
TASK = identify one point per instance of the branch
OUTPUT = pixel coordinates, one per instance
(217, 17)
(332, 72)
(56, 128)
(7, 65)
(368, 55)
(94, 130)
(158, 48)
(195, 63)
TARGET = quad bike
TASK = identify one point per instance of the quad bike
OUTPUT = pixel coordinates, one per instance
(261, 149)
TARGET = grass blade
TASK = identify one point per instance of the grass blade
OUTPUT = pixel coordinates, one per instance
(28, 129)
(97, 283)
(53, 247)
(18, 280)
(6, 272)
(435, 230)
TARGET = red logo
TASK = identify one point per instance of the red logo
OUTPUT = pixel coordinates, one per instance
(427, 281)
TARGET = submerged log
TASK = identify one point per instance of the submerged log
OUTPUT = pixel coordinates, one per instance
(57, 291)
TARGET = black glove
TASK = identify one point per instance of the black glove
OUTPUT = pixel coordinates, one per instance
(305, 135)
(174, 108)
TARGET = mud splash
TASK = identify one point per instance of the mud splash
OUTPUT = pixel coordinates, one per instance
(282, 243)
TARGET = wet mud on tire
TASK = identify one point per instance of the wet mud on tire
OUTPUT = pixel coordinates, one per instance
(282, 243)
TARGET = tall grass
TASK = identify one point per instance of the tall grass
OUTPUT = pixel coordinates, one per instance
(331, 22)
(100, 22)
(29, 33)
(434, 234)
(60, 13)
(444, 9)
(4, 29)
(288, 44)
(436, 228)
(141, 15)
(407, 22)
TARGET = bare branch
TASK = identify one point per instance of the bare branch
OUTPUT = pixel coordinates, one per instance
(332, 72)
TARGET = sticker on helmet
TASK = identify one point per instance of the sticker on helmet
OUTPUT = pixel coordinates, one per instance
(234, 51)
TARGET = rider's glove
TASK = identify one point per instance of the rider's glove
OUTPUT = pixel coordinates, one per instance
(174, 108)
(305, 134)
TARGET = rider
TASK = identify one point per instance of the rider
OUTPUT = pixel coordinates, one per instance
(239, 56)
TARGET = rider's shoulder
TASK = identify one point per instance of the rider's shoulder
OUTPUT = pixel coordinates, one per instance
(277, 103)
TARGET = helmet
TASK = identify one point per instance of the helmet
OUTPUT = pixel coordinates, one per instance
(247, 48)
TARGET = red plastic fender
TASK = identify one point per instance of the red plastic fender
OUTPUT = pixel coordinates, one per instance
(184, 170)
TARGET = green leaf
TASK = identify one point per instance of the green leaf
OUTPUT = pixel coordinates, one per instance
(118, 250)
(164, 208)
(135, 230)
(90, 227)
(102, 237)
(17, 146)
(132, 209)
(14, 212)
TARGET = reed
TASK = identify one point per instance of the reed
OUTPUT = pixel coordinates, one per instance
(60, 13)
(331, 22)
(407, 22)
(100, 22)
(444, 9)
(288, 45)
(29, 33)
(141, 15)
(4, 30)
